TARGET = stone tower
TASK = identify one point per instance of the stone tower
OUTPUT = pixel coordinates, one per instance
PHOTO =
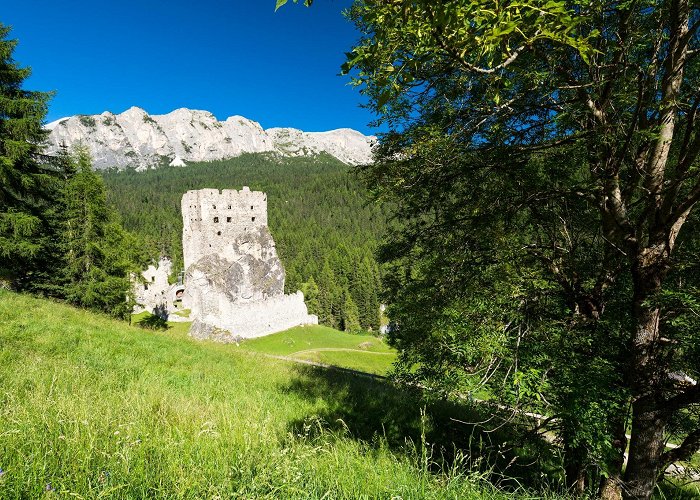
(234, 281)
(212, 219)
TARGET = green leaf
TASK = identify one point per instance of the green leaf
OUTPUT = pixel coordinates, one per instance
(383, 99)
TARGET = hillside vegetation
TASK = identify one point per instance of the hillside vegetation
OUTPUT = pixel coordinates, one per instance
(315, 343)
(93, 408)
(326, 233)
(321, 344)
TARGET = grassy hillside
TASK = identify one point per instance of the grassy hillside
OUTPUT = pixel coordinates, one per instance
(92, 408)
(326, 345)
(316, 343)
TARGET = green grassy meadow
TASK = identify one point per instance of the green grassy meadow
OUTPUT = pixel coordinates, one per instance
(316, 343)
(325, 345)
(94, 408)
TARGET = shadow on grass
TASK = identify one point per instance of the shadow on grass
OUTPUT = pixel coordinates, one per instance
(153, 322)
(374, 411)
(678, 489)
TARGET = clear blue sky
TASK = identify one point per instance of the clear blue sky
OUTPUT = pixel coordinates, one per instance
(230, 57)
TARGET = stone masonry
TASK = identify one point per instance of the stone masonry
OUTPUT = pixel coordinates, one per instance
(234, 281)
(153, 292)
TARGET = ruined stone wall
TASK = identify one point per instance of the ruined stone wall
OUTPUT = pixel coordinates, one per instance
(211, 219)
(156, 295)
(152, 292)
(225, 322)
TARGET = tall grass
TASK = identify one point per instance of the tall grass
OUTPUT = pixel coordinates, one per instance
(92, 408)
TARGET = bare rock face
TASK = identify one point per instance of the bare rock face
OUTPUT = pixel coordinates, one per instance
(246, 279)
(234, 281)
(206, 331)
(135, 138)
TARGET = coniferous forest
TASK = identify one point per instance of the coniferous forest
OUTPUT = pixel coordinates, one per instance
(325, 231)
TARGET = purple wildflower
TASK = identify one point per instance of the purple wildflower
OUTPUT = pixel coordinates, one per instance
(1, 471)
(48, 487)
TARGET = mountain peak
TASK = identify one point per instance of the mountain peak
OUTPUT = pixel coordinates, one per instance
(135, 138)
(133, 110)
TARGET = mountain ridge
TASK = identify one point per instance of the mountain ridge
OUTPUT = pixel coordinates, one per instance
(137, 139)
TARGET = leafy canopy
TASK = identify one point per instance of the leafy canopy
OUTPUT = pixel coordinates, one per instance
(542, 159)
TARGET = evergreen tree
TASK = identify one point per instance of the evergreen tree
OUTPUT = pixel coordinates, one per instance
(367, 293)
(351, 316)
(311, 296)
(98, 253)
(26, 180)
(330, 296)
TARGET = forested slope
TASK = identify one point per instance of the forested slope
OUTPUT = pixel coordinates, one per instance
(325, 231)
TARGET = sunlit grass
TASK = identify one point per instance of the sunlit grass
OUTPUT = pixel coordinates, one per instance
(304, 338)
(377, 363)
(325, 345)
(316, 343)
(94, 408)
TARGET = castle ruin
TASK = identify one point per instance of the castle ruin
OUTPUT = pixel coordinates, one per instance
(155, 294)
(234, 280)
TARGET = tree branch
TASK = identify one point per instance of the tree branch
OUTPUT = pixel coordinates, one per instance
(690, 445)
(672, 79)
(454, 54)
(687, 397)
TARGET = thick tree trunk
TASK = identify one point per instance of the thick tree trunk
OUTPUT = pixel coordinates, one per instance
(646, 447)
(575, 477)
(611, 485)
(646, 375)
(610, 488)
(574, 466)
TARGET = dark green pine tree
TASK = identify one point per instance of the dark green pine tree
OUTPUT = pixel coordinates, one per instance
(351, 316)
(366, 289)
(28, 182)
(311, 296)
(98, 253)
(330, 297)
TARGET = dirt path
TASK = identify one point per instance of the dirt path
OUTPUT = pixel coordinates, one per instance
(342, 349)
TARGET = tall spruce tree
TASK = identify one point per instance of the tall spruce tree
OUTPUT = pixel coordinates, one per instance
(27, 181)
(351, 316)
(98, 255)
(311, 296)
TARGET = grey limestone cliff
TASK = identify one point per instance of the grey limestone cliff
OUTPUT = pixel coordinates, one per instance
(136, 139)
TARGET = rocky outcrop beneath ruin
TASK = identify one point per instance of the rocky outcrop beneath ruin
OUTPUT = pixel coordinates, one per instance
(202, 330)
(215, 282)
(136, 139)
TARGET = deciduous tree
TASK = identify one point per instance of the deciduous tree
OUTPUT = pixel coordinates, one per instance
(543, 160)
